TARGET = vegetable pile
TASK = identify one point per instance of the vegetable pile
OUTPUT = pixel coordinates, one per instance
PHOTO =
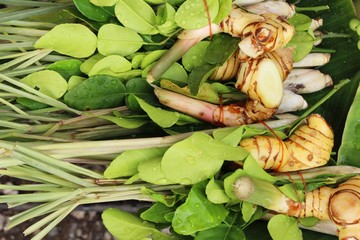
(221, 113)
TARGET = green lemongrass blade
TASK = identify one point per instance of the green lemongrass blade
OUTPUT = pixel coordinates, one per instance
(32, 187)
(32, 24)
(16, 38)
(63, 197)
(99, 133)
(23, 3)
(13, 55)
(31, 197)
(15, 108)
(22, 14)
(6, 162)
(23, 72)
(16, 46)
(315, 8)
(56, 221)
(53, 162)
(34, 175)
(33, 59)
(50, 169)
(24, 136)
(18, 174)
(42, 222)
(19, 59)
(29, 116)
(38, 96)
(66, 150)
(17, 126)
(116, 197)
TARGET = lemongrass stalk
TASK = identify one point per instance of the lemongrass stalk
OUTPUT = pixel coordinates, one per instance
(43, 187)
(186, 40)
(84, 116)
(315, 8)
(280, 8)
(43, 221)
(9, 162)
(12, 125)
(307, 81)
(23, 3)
(16, 46)
(313, 60)
(23, 31)
(17, 38)
(196, 108)
(66, 137)
(24, 72)
(314, 172)
(291, 102)
(261, 193)
(22, 57)
(33, 59)
(56, 221)
(34, 175)
(16, 109)
(52, 200)
(13, 55)
(47, 168)
(31, 197)
(26, 13)
(31, 24)
(51, 162)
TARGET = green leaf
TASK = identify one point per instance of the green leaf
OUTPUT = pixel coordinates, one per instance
(126, 164)
(301, 22)
(225, 7)
(160, 116)
(253, 169)
(113, 63)
(206, 92)
(165, 19)
(136, 15)
(140, 88)
(282, 227)
(92, 11)
(198, 213)
(349, 150)
(248, 209)
(125, 122)
(192, 14)
(302, 43)
(198, 76)
(66, 68)
(125, 226)
(118, 40)
(70, 39)
(197, 158)
(222, 232)
(220, 49)
(157, 212)
(96, 92)
(88, 64)
(195, 57)
(150, 171)
(48, 82)
(215, 192)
